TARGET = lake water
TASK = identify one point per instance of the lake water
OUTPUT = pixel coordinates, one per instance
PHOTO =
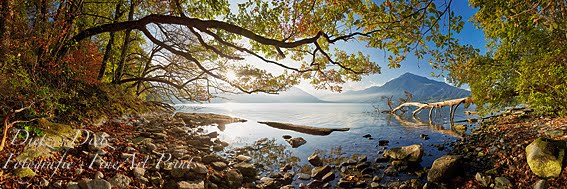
(362, 119)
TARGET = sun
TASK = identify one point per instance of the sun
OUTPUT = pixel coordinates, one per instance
(231, 75)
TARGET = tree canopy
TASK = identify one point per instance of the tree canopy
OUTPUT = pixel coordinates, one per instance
(64, 50)
(526, 61)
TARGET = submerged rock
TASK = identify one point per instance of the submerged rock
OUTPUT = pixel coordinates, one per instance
(302, 128)
(383, 142)
(544, 158)
(444, 168)
(410, 153)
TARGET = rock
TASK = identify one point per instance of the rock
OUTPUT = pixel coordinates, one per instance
(362, 165)
(344, 183)
(502, 183)
(24, 172)
(243, 158)
(248, 170)
(268, 182)
(219, 165)
(381, 160)
(99, 184)
(460, 127)
(362, 159)
(410, 153)
(483, 180)
(43, 182)
(213, 134)
(199, 168)
(100, 141)
(391, 171)
(296, 142)
(424, 136)
(98, 175)
(315, 184)
(367, 136)
(139, 172)
(286, 137)
(288, 187)
(83, 183)
(120, 181)
(286, 167)
(544, 158)
(178, 172)
(540, 184)
(554, 133)
(376, 179)
(303, 176)
(328, 177)
(319, 172)
(315, 160)
(73, 185)
(151, 146)
(58, 184)
(444, 168)
(234, 178)
(374, 185)
(191, 185)
(383, 142)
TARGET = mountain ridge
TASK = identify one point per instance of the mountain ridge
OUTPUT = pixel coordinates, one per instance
(422, 89)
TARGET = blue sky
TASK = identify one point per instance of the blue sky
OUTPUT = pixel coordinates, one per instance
(469, 35)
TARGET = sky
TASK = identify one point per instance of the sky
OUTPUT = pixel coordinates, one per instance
(469, 35)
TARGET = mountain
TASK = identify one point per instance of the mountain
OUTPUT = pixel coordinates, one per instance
(422, 89)
(292, 95)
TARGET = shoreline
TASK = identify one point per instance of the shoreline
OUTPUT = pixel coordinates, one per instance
(139, 139)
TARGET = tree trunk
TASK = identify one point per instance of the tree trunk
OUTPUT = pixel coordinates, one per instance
(108, 49)
(3, 19)
(120, 69)
(454, 103)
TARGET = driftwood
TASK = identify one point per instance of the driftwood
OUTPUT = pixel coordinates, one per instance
(454, 103)
(303, 129)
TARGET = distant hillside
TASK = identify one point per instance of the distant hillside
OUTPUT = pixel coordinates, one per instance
(292, 95)
(423, 89)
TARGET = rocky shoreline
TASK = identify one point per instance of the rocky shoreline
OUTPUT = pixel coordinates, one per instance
(162, 151)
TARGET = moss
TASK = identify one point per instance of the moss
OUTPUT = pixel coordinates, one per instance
(24, 172)
(56, 136)
(544, 158)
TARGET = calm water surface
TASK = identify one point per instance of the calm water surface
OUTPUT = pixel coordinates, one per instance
(362, 119)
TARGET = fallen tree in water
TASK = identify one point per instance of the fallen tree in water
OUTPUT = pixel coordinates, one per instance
(303, 129)
(453, 103)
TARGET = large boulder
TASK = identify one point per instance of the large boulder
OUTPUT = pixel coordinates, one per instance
(444, 168)
(545, 158)
(410, 153)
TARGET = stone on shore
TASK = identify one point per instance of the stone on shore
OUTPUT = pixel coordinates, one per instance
(315, 160)
(444, 168)
(318, 172)
(410, 153)
(544, 158)
(248, 170)
(191, 185)
(296, 142)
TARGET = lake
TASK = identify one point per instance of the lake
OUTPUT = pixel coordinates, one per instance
(361, 118)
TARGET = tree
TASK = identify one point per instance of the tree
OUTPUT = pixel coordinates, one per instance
(527, 58)
(216, 41)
